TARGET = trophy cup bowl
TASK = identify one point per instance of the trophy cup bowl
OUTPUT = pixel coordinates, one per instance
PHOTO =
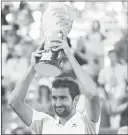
(56, 20)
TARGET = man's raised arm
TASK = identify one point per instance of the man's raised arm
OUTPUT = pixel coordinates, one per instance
(16, 99)
(92, 106)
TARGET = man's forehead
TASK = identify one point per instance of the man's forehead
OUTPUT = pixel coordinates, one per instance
(60, 90)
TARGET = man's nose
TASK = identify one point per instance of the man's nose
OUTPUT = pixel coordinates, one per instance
(58, 103)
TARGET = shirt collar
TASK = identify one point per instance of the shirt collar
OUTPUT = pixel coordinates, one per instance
(71, 121)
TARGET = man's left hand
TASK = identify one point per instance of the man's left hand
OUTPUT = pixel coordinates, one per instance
(60, 44)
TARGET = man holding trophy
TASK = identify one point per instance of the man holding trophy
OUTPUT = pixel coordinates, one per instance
(77, 110)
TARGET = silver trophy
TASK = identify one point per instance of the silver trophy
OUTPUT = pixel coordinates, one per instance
(56, 20)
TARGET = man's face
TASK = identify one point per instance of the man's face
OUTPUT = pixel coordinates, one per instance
(62, 101)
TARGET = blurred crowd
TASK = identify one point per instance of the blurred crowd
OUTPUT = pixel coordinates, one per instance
(99, 42)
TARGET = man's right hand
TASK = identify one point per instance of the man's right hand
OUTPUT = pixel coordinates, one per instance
(36, 57)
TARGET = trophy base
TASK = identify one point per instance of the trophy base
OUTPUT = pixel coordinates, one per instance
(47, 69)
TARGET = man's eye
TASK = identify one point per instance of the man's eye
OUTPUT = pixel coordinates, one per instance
(63, 98)
(54, 98)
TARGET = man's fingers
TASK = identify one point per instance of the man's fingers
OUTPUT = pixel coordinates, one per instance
(39, 51)
(56, 41)
(38, 54)
(58, 48)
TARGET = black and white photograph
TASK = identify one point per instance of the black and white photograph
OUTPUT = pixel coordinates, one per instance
(64, 67)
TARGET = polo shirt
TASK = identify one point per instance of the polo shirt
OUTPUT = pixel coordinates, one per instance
(79, 123)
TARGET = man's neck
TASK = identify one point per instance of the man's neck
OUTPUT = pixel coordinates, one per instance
(64, 120)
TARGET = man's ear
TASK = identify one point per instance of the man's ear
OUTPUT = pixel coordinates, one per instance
(76, 99)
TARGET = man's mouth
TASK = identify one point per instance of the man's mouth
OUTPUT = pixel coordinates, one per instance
(60, 109)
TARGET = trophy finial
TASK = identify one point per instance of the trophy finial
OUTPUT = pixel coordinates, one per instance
(57, 17)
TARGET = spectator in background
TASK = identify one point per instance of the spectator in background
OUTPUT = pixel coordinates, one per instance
(5, 52)
(4, 12)
(121, 48)
(122, 109)
(93, 42)
(22, 5)
(44, 101)
(13, 69)
(113, 80)
(12, 37)
(24, 12)
(28, 46)
(95, 30)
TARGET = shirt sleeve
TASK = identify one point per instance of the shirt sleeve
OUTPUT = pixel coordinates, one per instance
(37, 121)
(91, 127)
